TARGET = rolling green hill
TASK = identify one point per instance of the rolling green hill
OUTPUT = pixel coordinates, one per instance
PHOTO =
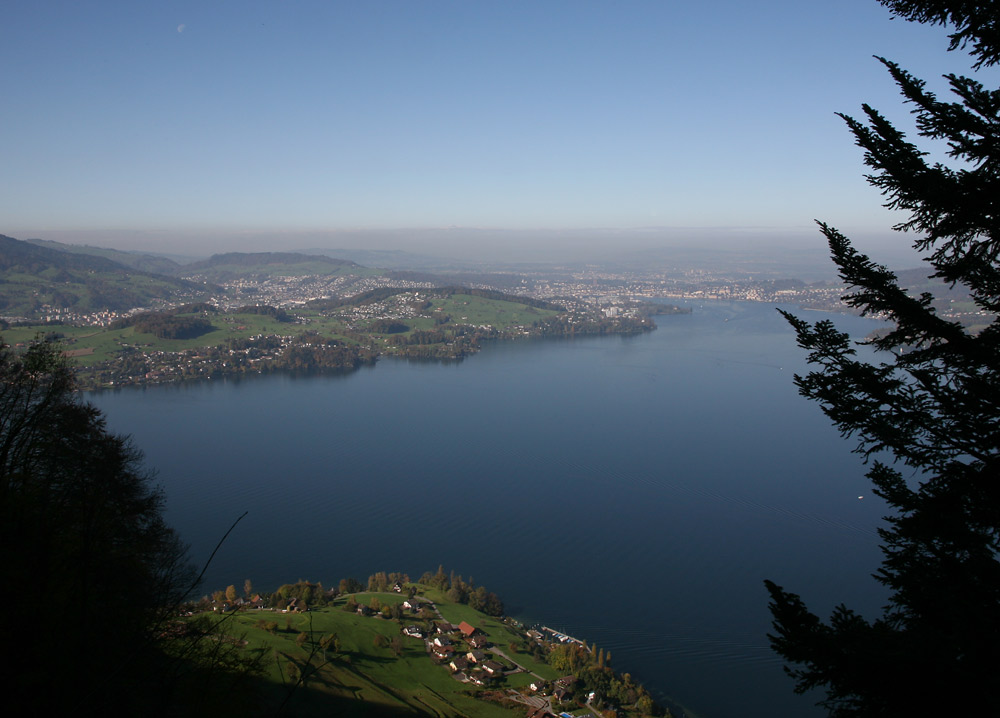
(134, 260)
(36, 280)
(365, 674)
(262, 265)
(421, 649)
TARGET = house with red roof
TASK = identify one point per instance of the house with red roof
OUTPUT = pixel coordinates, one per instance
(467, 630)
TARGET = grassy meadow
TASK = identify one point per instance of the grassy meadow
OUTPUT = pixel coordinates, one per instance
(362, 678)
(92, 345)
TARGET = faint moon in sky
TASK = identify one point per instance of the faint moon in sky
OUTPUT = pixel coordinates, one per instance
(180, 28)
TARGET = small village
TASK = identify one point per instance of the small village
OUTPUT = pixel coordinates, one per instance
(464, 651)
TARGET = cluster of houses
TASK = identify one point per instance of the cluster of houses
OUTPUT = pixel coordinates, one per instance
(256, 602)
(560, 689)
(463, 649)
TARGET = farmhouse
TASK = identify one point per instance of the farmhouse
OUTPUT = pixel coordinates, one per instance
(468, 630)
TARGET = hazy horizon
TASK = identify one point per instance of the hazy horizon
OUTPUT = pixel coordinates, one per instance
(482, 247)
(465, 129)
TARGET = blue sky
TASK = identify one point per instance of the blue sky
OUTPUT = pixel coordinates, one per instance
(220, 117)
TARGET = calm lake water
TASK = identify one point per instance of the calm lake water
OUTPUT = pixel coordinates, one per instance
(631, 491)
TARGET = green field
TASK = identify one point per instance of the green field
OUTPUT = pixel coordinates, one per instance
(467, 309)
(92, 345)
(27, 294)
(103, 344)
(361, 678)
(499, 633)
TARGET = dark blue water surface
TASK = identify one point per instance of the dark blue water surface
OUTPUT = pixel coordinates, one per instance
(631, 491)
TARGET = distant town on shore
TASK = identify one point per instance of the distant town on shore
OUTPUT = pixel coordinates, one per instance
(125, 318)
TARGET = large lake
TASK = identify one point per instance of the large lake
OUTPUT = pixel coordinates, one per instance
(631, 491)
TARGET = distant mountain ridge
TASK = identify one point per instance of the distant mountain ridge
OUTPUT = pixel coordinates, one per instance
(28, 256)
(259, 259)
(232, 265)
(383, 258)
(134, 260)
(36, 279)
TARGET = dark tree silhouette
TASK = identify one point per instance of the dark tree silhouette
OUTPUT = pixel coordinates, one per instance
(931, 402)
(87, 563)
